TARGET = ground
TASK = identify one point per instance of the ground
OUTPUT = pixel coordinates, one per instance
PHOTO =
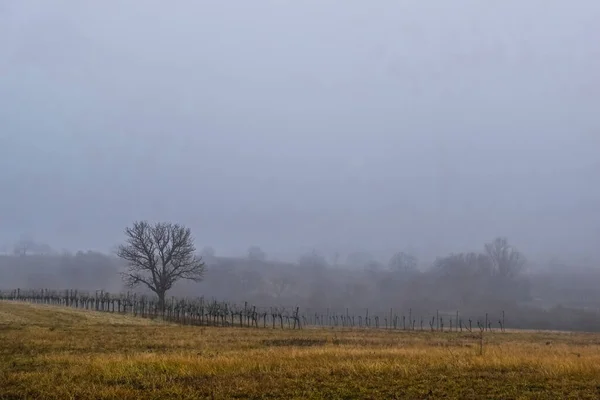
(56, 353)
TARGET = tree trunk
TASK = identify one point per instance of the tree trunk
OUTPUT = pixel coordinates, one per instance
(161, 301)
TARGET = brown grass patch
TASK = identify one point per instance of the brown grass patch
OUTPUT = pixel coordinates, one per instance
(56, 353)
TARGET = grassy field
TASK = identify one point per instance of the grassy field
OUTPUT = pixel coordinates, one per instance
(55, 353)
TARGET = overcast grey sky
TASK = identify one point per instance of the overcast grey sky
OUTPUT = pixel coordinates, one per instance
(378, 125)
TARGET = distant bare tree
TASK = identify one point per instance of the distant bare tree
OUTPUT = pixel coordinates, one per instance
(506, 261)
(403, 262)
(26, 246)
(255, 253)
(463, 265)
(208, 254)
(208, 251)
(158, 256)
(313, 260)
(279, 284)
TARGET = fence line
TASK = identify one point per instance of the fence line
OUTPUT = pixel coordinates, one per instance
(203, 312)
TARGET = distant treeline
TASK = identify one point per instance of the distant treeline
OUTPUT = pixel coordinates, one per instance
(469, 283)
(84, 270)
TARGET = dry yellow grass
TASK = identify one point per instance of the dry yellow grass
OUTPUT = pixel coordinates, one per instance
(55, 353)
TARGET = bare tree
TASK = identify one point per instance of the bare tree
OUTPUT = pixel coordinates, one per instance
(158, 256)
(403, 262)
(255, 253)
(208, 254)
(208, 251)
(280, 284)
(505, 260)
(336, 258)
(26, 246)
(463, 265)
(313, 260)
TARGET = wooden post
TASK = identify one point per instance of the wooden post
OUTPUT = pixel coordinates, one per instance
(456, 319)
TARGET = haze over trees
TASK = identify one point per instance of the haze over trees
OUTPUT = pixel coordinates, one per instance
(494, 279)
(394, 139)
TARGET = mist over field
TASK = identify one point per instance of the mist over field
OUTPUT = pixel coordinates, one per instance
(348, 142)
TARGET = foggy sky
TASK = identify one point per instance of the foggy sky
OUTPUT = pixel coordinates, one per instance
(380, 126)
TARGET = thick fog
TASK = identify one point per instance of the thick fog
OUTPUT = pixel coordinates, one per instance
(381, 126)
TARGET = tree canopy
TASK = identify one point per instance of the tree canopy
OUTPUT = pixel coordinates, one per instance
(158, 255)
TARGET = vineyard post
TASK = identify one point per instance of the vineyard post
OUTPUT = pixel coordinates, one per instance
(486, 321)
(280, 315)
(456, 319)
(481, 329)
(202, 312)
(296, 319)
